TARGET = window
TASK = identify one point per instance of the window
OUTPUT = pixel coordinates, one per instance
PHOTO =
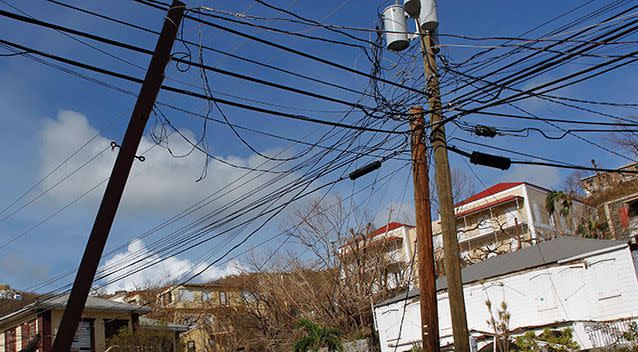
(538, 216)
(510, 216)
(206, 296)
(10, 340)
(223, 299)
(186, 295)
(633, 217)
(168, 297)
(29, 333)
(190, 346)
(248, 296)
(606, 279)
(113, 327)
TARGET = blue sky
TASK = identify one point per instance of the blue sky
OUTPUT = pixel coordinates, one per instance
(47, 114)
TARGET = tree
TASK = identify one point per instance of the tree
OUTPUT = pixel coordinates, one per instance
(143, 339)
(501, 325)
(336, 285)
(548, 340)
(563, 199)
(317, 336)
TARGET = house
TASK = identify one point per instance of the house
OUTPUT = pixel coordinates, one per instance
(7, 293)
(390, 249)
(602, 180)
(621, 214)
(585, 284)
(616, 197)
(138, 297)
(196, 306)
(504, 218)
(38, 323)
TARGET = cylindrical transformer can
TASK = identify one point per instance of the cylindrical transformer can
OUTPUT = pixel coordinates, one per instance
(395, 27)
(428, 16)
(412, 8)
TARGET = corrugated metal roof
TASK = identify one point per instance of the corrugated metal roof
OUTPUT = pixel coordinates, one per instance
(386, 228)
(547, 252)
(92, 304)
(499, 187)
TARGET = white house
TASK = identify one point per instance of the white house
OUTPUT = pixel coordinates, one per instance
(588, 285)
(506, 217)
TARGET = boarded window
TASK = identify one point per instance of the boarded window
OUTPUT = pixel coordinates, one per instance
(545, 296)
(392, 318)
(83, 339)
(606, 279)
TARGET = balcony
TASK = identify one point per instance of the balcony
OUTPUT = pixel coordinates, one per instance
(491, 231)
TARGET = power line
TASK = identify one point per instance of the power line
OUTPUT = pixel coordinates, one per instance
(184, 61)
(228, 54)
(284, 48)
(196, 95)
(478, 158)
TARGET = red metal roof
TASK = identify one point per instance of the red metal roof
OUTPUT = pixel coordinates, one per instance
(387, 228)
(381, 230)
(487, 205)
(499, 187)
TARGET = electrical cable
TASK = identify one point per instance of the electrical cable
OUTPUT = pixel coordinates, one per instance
(194, 94)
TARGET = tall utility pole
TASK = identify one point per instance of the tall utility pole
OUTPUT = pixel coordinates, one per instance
(446, 204)
(427, 278)
(119, 175)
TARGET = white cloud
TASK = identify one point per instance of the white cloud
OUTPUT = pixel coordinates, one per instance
(396, 212)
(161, 184)
(165, 272)
(542, 176)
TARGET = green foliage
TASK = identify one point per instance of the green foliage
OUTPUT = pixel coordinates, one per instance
(548, 340)
(564, 200)
(416, 348)
(631, 334)
(592, 228)
(317, 336)
(142, 339)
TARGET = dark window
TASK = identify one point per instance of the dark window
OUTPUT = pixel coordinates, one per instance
(28, 333)
(113, 327)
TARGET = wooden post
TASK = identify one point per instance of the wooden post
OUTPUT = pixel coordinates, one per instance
(446, 204)
(425, 247)
(518, 233)
(115, 187)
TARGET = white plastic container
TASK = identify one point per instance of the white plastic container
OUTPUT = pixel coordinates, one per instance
(428, 16)
(395, 27)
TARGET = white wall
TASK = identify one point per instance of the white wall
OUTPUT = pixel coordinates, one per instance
(599, 287)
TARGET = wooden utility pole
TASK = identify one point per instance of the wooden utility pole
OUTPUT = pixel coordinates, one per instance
(446, 204)
(119, 175)
(425, 250)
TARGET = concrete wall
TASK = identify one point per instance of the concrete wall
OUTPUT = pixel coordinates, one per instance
(596, 288)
